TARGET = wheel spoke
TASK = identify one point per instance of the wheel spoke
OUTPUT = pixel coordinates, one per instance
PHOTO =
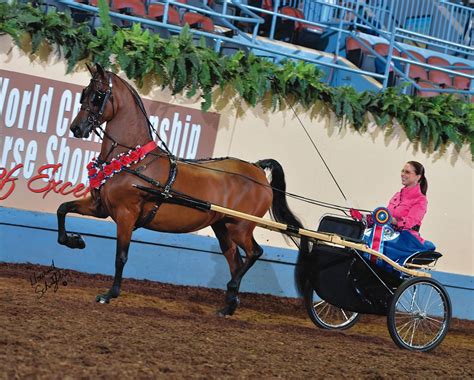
(420, 315)
(407, 308)
(343, 312)
(330, 316)
(428, 300)
(413, 332)
(433, 320)
(409, 328)
(405, 325)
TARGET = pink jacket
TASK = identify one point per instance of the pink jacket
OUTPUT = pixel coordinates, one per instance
(408, 206)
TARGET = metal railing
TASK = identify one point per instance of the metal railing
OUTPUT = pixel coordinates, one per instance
(440, 23)
(345, 17)
(439, 19)
(252, 43)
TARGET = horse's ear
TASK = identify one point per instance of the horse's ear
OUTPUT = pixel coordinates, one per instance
(100, 70)
(91, 70)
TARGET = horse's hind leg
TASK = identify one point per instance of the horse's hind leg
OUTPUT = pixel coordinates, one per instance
(228, 247)
(253, 251)
(232, 254)
(86, 206)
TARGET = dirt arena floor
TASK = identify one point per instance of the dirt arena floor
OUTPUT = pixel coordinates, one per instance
(156, 330)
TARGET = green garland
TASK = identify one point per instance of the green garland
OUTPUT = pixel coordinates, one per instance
(182, 66)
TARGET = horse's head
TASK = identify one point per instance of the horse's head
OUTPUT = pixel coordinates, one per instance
(96, 103)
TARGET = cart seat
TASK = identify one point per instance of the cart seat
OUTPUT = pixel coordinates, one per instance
(424, 258)
(349, 229)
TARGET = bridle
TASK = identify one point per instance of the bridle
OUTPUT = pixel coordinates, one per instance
(96, 104)
(95, 107)
(98, 101)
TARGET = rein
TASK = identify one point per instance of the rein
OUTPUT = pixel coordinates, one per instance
(173, 160)
(100, 170)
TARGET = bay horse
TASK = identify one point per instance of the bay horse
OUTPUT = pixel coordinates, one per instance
(129, 157)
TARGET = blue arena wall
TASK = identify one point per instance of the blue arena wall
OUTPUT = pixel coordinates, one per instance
(183, 259)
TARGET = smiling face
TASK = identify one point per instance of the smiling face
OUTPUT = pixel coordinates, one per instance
(409, 176)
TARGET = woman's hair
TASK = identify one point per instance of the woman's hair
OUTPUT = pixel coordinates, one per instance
(420, 170)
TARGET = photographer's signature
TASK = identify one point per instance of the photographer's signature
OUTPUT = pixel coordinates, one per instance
(49, 279)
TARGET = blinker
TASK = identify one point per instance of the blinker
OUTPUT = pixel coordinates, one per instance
(97, 99)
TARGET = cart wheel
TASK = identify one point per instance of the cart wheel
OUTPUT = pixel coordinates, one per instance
(327, 316)
(419, 314)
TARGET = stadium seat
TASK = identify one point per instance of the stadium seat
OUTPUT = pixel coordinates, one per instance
(416, 72)
(311, 38)
(267, 5)
(464, 68)
(129, 7)
(355, 51)
(290, 11)
(353, 44)
(92, 3)
(156, 11)
(383, 48)
(440, 78)
(426, 93)
(416, 56)
(218, 7)
(305, 34)
(380, 66)
(284, 28)
(437, 61)
(198, 21)
(462, 83)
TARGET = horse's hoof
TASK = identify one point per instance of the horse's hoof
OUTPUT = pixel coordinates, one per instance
(231, 305)
(102, 299)
(223, 312)
(73, 241)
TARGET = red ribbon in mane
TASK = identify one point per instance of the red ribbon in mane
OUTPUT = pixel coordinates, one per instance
(100, 173)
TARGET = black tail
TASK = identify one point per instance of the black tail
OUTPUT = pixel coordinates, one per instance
(282, 214)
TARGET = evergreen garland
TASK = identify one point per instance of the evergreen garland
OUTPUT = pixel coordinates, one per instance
(182, 66)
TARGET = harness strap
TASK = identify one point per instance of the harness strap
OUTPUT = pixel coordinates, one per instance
(171, 177)
(164, 195)
(143, 177)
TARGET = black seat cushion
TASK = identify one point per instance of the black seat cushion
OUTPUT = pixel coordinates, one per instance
(348, 228)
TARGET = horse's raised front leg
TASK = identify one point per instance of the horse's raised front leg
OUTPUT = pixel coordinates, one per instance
(86, 206)
(125, 226)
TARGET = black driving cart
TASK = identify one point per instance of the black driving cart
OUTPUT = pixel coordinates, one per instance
(343, 282)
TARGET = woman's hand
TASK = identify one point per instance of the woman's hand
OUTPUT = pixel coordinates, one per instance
(355, 214)
(394, 221)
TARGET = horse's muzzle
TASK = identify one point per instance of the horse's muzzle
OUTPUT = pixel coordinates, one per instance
(76, 131)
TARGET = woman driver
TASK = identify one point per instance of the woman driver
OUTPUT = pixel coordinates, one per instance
(407, 207)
